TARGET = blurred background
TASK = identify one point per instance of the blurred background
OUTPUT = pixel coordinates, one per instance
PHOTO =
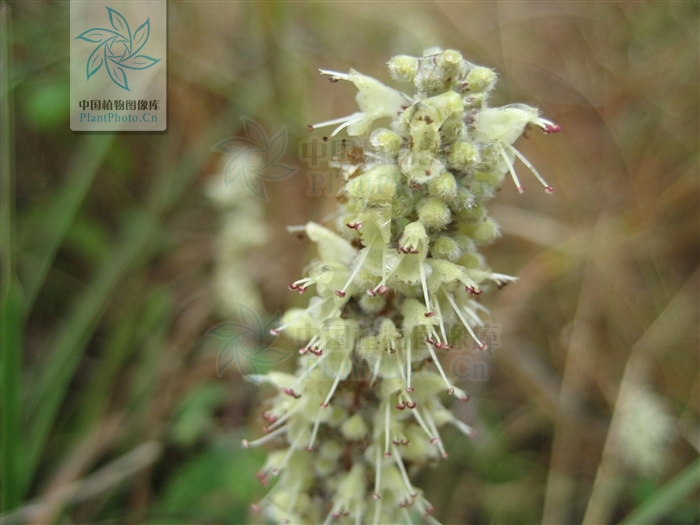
(120, 251)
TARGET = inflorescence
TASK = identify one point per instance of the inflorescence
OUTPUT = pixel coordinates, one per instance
(391, 290)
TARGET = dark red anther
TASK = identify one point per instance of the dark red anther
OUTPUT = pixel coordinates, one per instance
(483, 346)
(411, 404)
(382, 289)
(549, 190)
(410, 389)
(376, 496)
(435, 440)
(387, 454)
(263, 479)
(310, 127)
(551, 128)
(401, 405)
(354, 225)
(429, 314)
(371, 292)
(450, 390)
(290, 392)
(340, 293)
(324, 405)
(521, 189)
(274, 331)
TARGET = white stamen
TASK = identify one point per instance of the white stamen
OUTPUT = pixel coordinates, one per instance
(378, 473)
(335, 75)
(511, 169)
(402, 469)
(387, 425)
(442, 324)
(527, 163)
(462, 426)
(439, 367)
(433, 427)
(461, 318)
(424, 284)
(310, 446)
(265, 439)
(356, 270)
(341, 371)
(418, 417)
(409, 366)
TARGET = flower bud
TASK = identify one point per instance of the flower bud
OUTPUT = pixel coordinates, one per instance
(435, 214)
(414, 237)
(450, 61)
(386, 141)
(372, 304)
(403, 68)
(481, 79)
(463, 155)
(444, 187)
(300, 325)
(420, 167)
(354, 427)
(376, 186)
(445, 248)
(483, 232)
(471, 260)
(463, 200)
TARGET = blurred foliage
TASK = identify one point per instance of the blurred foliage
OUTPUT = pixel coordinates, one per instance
(107, 257)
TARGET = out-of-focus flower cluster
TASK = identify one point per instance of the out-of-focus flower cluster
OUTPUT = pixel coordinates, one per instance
(391, 291)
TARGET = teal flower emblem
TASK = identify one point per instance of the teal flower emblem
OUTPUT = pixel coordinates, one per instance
(255, 158)
(118, 49)
(247, 343)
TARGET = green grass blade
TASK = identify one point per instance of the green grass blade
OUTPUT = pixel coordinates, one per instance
(64, 207)
(11, 444)
(667, 498)
(11, 320)
(52, 382)
(69, 346)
